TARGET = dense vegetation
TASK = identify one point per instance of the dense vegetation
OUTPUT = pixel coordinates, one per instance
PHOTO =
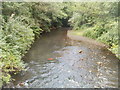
(22, 22)
(98, 21)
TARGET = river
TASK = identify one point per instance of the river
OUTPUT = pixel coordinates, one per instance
(75, 64)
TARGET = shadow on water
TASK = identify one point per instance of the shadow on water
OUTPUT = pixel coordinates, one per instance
(75, 64)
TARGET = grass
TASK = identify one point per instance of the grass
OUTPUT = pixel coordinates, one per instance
(77, 32)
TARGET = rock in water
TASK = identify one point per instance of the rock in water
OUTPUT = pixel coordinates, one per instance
(100, 63)
(21, 84)
(80, 51)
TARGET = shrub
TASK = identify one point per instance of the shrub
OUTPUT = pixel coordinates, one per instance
(13, 45)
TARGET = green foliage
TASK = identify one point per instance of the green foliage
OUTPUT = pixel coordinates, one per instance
(111, 36)
(14, 43)
(115, 50)
(96, 31)
(107, 35)
(98, 23)
(20, 23)
(48, 15)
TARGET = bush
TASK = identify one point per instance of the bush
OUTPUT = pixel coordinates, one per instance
(90, 32)
(107, 34)
(21, 23)
(13, 45)
(111, 37)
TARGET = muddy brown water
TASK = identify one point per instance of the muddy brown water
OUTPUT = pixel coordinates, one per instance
(76, 64)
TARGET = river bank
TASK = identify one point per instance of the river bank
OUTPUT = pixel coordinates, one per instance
(76, 63)
(80, 35)
(22, 22)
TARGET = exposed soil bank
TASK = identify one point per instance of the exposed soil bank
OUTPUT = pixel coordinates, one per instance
(72, 35)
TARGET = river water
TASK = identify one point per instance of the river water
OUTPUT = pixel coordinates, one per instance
(75, 64)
